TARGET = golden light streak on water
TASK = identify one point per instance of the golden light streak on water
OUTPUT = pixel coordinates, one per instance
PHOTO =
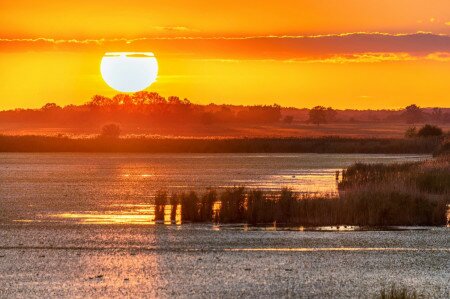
(95, 218)
(216, 210)
(141, 214)
(178, 215)
(152, 216)
(168, 214)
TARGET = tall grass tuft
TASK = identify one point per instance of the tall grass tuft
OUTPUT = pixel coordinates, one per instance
(397, 293)
(160, 201)
(233, 207)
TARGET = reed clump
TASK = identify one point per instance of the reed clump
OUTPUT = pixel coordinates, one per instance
(160, 201)
(397, 293)
(410, 194)
(362, 208)
(398, 194)
(432, 176)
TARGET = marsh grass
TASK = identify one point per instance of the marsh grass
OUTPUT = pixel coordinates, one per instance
(397, 293)
(362, 208)
(220, 145)
(410, 194)
(432, 176)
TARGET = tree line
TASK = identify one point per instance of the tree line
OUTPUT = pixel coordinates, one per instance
(143, 109)
(412, 114)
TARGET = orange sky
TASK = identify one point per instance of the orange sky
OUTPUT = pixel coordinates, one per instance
(345, 54)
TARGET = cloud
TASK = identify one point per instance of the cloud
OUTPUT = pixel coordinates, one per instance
(439, 56)
(341, 59)
(174, 29)
(330, 48)
(363, 58)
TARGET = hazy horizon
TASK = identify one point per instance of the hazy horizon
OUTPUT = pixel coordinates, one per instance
(49, 101)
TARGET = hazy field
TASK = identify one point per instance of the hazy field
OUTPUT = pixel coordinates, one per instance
(296, 129)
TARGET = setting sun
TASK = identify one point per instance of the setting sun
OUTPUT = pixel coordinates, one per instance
(129, 71)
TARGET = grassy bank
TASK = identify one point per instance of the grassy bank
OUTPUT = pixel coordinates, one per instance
(412, 194)
(238, 145)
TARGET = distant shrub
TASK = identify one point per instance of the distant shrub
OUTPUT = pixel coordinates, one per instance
(110, 131)
(429, 130)
(288, 119)
(444, 147)
(411, 132)
(413, 114)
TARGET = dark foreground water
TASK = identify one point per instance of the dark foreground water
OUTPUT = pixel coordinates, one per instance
(201, 261)
(79, 225)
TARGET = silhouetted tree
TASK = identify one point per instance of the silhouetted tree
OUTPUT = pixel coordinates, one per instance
(288, 119)
(331, 115)
(99, 101)
(446, 117)
(110, 131)
(50, 107)
(123, 99)
(413, 114)
(437, 114)
(207, 118)
(318, 115)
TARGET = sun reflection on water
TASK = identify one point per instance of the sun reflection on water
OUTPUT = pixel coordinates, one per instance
(135, 214)
(96, 218)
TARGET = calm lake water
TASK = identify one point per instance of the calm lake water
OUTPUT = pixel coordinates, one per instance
(79, 225)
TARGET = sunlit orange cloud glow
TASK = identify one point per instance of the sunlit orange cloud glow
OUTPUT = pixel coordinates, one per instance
(345, 54)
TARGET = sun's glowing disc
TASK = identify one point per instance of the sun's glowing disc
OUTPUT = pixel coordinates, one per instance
(129, 71)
